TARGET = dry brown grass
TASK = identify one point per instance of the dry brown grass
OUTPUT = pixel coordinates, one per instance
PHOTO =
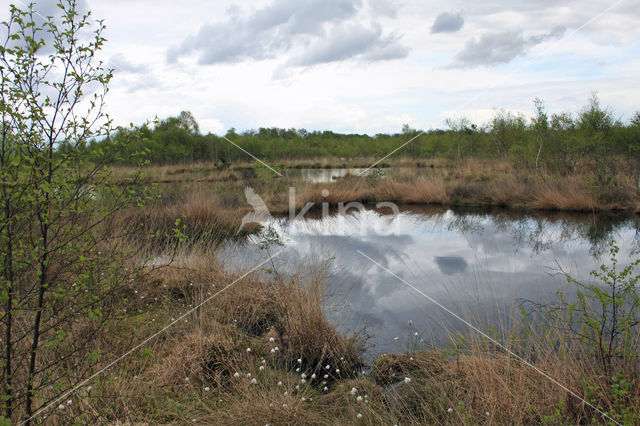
(210, 345)
(214, 199)
(189, 371)
(418, 191)
(564, 195)
(198, 212)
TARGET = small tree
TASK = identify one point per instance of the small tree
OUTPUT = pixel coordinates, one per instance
(603, 320)
(508, 131)
(60, 256)
(540, 124)
(460, 128)
(595, 124)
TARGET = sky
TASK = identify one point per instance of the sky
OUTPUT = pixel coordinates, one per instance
(364, 66)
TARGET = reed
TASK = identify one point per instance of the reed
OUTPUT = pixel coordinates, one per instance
(263, 352)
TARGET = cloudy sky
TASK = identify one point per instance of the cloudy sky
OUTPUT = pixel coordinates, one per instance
(365, 66)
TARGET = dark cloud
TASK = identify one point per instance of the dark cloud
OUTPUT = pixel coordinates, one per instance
(43, 9)
(323, 30)
(500, 48)
(352, 41)
(447, 23)
(450, 265)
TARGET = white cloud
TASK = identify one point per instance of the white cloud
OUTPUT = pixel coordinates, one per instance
(327, 31)
(361, 94)
(121, 64)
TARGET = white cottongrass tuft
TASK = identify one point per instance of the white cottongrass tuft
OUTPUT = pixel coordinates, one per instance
(359, 416)
(262, 368)
(449, 410)
(207, 389)
(337, 371)
(248, 349)
(359, 398)
(325, 389)
(254, 381)
(354, 391)
(407, 379)
(313, 376)
(279, 383)
(299, 360)
(271, 339)
(327, 367)
(236, 374)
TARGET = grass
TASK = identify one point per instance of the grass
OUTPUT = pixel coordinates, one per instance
(470, 182)
(262, 350)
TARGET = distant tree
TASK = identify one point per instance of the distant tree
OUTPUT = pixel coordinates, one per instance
(593, 118)
(183, 121)
(509, 132)
(459, 127)
(540, 124)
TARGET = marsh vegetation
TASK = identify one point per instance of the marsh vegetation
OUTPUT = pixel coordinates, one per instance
(131, 294)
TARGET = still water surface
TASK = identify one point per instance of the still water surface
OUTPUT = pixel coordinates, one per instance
(332, 175)
(479, 264)
(323, 175)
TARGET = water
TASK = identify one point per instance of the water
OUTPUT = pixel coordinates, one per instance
(385, 272)
(323, 175)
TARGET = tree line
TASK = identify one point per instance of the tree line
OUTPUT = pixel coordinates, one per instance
(559, 140)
